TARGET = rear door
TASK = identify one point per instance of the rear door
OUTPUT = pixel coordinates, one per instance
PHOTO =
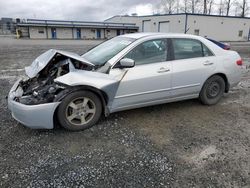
(193, 63)
(149, 81)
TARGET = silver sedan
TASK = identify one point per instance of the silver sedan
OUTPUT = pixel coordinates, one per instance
(128, 71)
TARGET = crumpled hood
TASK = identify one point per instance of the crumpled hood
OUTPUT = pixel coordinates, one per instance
(40, 62)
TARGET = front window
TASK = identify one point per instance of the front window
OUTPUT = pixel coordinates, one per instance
(105, 51)
(152, 51)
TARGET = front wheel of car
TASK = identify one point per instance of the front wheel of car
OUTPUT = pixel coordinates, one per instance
(79, 110)
(212, 90)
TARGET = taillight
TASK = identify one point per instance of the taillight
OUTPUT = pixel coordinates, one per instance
(239, 62)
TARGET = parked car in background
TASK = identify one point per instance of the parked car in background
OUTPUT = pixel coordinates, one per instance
(126, 72)
(224, 46)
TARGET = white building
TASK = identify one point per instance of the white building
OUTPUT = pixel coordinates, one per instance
(222, 28)
(59, 29)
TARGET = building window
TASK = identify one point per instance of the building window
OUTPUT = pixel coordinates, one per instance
(41, 31)
(240, 33)
(93, 30)
(197, 32)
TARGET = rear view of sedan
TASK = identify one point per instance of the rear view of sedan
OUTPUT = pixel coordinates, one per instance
(126, 72)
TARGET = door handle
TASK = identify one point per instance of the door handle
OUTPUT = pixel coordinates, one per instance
(208, 63)
(163, 69)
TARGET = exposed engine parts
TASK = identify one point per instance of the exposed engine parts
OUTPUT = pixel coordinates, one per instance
(42, 88)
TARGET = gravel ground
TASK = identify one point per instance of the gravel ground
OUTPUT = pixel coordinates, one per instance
(182, 144)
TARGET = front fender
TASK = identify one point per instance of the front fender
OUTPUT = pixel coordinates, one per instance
(105, 82)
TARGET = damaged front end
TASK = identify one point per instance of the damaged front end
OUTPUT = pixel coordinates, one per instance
(31, 100)
(39, 87)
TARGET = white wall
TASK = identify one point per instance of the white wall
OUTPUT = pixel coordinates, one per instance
(110, 34)
(219, 28)
(88, 33)
(36, 32)
(176, 22)
(67, 33)
(61, 33)
(64, 33)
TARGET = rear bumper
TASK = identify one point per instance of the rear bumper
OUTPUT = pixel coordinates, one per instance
(33, 116)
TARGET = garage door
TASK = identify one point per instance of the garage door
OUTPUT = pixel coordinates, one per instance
(164, 27)
(146, 26)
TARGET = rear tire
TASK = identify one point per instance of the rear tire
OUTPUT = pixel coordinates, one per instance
(79, 110)
(212, 90)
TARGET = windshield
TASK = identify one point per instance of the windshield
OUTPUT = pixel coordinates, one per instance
(105, 51)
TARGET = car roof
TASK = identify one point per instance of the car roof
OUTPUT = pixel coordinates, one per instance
(151, 34)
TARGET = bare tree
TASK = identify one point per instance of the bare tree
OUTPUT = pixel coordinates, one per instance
(177, 6)
(167, 6)
(185, 6)
(196, 6)
(205, 7)
(241, 8)
(210, 5)
(221, 8)
(244, 8)
(228, 4)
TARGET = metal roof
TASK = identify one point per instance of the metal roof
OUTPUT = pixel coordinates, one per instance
(84, 24)
(179, 14)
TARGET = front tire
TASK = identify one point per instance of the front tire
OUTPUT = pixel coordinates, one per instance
(79, 110)
(212, 90)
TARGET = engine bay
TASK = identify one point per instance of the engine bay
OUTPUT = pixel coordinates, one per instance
(42, 88)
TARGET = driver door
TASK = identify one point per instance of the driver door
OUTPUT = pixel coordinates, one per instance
(149, 81)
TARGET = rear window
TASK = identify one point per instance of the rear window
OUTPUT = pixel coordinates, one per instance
(189, 48)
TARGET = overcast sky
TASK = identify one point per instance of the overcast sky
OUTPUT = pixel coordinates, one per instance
(92, 10)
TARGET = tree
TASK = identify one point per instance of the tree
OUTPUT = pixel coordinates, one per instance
(210, 5)
(185, 6)
(196, 6)
(221, 8)
(228, 4)
(242, 7)
(167, 6)
(205, 7)
(177, 6)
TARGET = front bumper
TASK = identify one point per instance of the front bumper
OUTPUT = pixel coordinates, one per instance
(33, 116)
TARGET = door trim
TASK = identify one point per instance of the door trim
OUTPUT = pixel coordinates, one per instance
(142, 93)
(186, 86)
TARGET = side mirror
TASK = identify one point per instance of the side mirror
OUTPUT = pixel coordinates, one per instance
(127, 63)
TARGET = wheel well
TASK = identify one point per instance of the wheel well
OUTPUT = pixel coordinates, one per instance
(227, 86)
(101, 94)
